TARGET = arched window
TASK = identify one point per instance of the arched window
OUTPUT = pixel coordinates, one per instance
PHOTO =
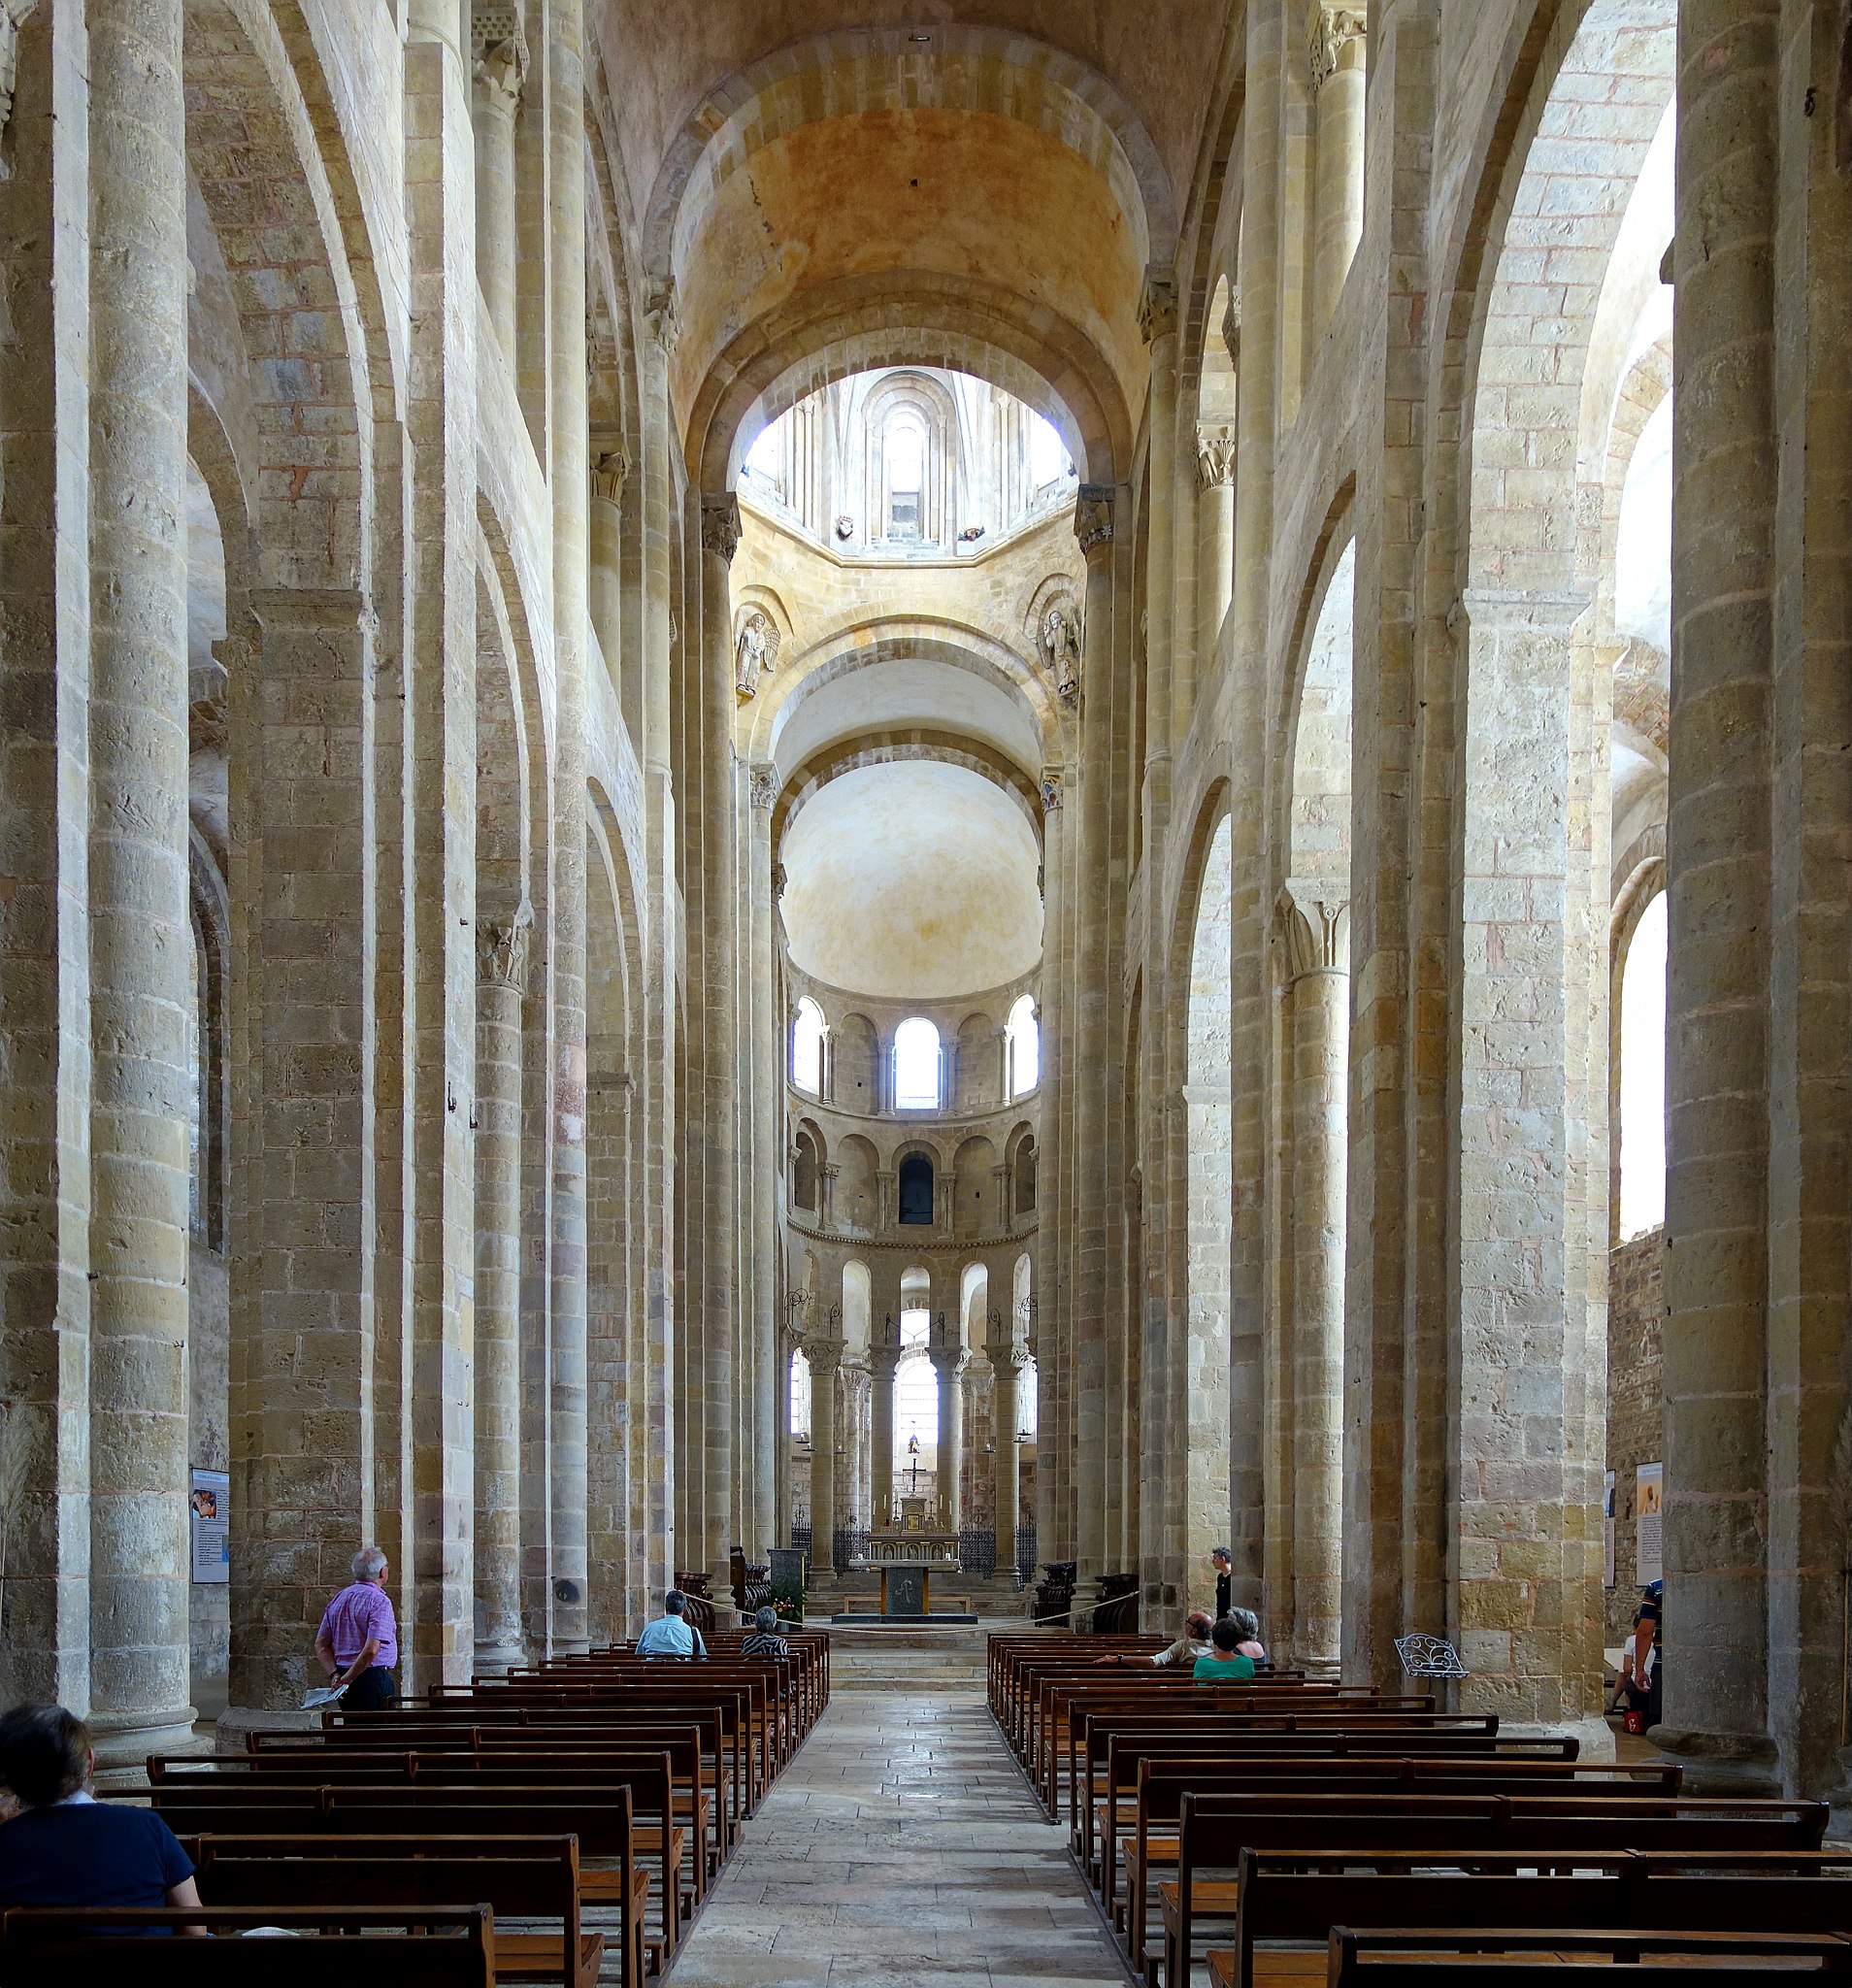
(1023, 1035)
(799, 1397)
(1026, 1178)
(1642, 1076)
(916, 1191)
(916, 1066)
(1049, 458)
(904, 451)
(806, 1049)
(804, 1173)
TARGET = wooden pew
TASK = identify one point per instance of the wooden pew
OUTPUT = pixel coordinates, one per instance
(519, 1878)
(558, 1766)
(1581, 1957)
(1108, 1794)
(442, 1947)
(1301, 1897)
(675, 1703)
(1213, 1829)
(1162, 1771)
(601, 1820)
(693, 1739)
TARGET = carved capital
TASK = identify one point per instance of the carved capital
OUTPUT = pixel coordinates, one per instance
(1052, 777)
(720, 525)
(610, 472)
(500, 63)
(825, 1355)
(500, 950)
(1092, 518)
(1314, 926)
(1328, 27)
(763, 780)
(1157, 306)
(662, 316)
(1215, 457)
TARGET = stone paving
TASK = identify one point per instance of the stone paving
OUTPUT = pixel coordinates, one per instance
(901, 1846)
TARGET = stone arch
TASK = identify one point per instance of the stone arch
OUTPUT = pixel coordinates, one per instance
(975, 1063)
(916, 1186)
(1529, 1186)
(839, 653)
(1203, 1391)
(1022, 1153)
(891, 747)
(809, 1156)
(974, 68)
(504, 829)
(858, 1066)
(858, 1195)
(857, 324)
(974, 1210)
(927, 400)
(311, 331)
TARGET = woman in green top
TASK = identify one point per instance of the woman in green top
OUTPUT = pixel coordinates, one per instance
(1225, 1665)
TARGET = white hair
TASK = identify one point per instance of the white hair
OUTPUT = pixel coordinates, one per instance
(368, 1563)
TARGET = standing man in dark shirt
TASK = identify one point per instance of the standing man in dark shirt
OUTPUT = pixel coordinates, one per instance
(65, 1847)
(1224, 1581)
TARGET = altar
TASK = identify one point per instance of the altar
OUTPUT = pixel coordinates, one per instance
(907, 1558)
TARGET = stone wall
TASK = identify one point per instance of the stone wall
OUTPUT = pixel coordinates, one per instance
(1636, 1401)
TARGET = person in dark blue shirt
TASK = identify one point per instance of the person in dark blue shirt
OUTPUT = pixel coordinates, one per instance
(64, 1847)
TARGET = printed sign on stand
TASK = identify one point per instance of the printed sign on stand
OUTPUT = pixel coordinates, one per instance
(1649, 1486)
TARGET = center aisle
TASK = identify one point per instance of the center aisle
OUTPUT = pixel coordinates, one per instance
(900, 1846)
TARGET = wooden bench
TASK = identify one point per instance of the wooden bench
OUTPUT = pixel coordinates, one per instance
(1159, 1774)
(1299, 1898)
(441, 1947)
(693, 1746)
(1582, 1957)
(1214, 1830)
(601, 1820)
(541, 1767)
(519, 1878)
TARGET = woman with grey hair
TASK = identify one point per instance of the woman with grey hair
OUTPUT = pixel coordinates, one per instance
(764, 1639)
(1251, 1644)
(358, 1642)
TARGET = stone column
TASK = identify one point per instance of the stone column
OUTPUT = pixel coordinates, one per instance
(764, 1039)
(1719, 845)
(882, 1359)
(501, 988)
(1089, 1072)
(141, 936)
(498, 48)
(436, 1580)
(948, 1366)
(569, 481)
(1007, 1363)
(661, 1321)
(609, 472)
(719, 1132)
(45, 825)
(826, 1361)
(1214, 555)
(1340, 78)
(1316, 923)
(1051, 1532)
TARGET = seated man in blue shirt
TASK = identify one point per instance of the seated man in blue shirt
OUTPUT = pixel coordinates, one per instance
(669, 1636)
(65, 1847)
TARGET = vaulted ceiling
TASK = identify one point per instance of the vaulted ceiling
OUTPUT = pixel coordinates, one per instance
(809, 172)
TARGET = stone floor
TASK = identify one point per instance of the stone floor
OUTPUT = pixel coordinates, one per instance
(901, 1846)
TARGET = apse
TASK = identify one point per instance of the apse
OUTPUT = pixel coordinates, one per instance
(912, 881)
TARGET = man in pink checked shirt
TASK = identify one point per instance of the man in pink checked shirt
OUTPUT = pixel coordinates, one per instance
(358, 1642)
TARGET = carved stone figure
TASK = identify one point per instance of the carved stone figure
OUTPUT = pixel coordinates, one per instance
(754, 654)
(1060, 640)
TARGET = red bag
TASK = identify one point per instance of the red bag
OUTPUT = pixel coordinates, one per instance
(1634, 1721)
